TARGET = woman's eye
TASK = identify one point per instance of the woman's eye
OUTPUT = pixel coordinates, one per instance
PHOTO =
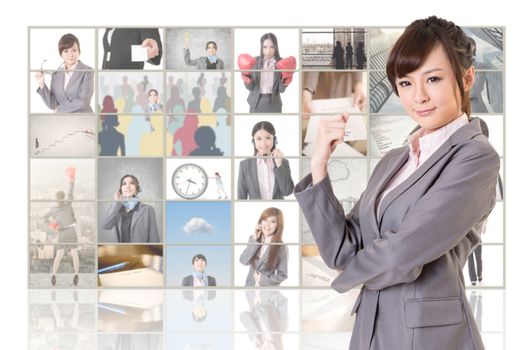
(404, 83)
(433, 79)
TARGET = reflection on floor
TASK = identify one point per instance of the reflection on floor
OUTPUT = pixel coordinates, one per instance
(214, 319)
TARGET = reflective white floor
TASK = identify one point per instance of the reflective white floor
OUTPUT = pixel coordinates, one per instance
(214, 319)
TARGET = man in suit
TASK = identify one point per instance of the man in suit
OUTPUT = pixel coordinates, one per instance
(117, 44)
(198, 277)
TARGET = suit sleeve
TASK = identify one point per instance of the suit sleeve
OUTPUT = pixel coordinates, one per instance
(249, 253)
(109, 218)
(278, 82)
(153, 234)
(463, 194)
(83, 101)
(284, 178)
(338, 237)
(280, 274)
(188, 61)
(153, 33)
(242, 191)
(48, 96)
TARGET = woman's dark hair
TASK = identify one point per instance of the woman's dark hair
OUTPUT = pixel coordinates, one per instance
(416, 43)
(263, 125)
(154, 90)
(66, 42)
(211, 42)
(273, 38)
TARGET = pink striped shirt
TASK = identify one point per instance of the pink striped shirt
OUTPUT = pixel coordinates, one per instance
(421, 148)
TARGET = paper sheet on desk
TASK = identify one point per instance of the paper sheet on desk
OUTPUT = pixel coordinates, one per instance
(147, 277)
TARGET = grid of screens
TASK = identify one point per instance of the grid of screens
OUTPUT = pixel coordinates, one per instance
(152, 159)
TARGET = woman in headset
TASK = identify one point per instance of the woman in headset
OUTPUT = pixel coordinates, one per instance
(267, 174)
(133, 221)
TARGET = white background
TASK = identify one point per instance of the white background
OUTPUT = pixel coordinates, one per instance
(309, 14)
(44, 42)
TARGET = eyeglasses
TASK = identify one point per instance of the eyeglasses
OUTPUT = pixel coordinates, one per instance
(42, 69)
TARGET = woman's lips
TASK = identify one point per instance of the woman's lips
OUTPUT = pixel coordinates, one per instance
(425, 112)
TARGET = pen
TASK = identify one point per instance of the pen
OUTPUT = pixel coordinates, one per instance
(113, 267)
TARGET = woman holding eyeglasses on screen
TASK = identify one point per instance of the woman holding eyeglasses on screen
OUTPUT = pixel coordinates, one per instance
(408, 237)
(72, 86)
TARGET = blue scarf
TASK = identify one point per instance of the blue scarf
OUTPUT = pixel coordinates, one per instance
(129, 203)
(212, 58)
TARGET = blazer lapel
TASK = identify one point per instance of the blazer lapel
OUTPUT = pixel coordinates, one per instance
(137, 214)
(393, 165)
(464, 133)
(76, 75)
(254, 177)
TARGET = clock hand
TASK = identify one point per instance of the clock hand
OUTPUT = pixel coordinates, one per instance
(188, 186)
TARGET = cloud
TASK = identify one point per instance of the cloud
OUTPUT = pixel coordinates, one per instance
(198, 225)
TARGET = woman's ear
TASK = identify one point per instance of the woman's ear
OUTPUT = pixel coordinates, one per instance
(469, 78)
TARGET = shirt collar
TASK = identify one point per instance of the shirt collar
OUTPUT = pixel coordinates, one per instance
(421, 143)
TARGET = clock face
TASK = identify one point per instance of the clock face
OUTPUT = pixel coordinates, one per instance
(190, 181)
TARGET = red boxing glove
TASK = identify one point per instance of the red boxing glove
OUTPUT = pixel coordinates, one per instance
(53, 225)
(71, 174)
(289, 64)
(246, 62)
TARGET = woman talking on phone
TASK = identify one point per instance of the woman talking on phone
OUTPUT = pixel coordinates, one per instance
(266, 256)
(133, 221)
(408, 237)
(267, 174)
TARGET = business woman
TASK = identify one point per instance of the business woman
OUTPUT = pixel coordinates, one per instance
(265, 83)
(409, 235)
(208, 62)
(267, 174)
(61, 219)
(133, 221)
(266, 257)
(72, 86)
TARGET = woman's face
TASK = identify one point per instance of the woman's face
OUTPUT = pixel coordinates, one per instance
(268, 50)
(263, 142)
(129, 188)
(153, 97)
(199, 265)
(211, 49)
(430, 94)
(269, 225)
(71, 55)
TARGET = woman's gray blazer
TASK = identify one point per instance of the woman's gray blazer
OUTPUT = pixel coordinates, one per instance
(201, 62)
(409, 259)
(248, 181)
(143, 224)
(267, 277)
(254, 87)
(76, 98)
